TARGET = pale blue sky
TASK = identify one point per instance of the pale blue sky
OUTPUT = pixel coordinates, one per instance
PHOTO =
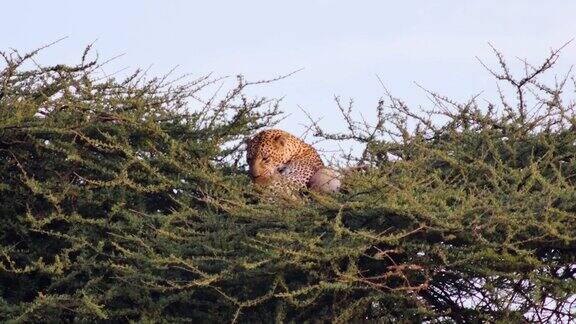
(341, 45)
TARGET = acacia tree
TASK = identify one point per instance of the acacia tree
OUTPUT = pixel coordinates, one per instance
(127, 200)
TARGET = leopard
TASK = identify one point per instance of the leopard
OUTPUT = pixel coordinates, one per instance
(277, 158)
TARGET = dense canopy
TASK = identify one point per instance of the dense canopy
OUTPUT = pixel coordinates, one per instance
(128, 200)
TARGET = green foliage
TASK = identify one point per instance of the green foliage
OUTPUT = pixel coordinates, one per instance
(120, 203)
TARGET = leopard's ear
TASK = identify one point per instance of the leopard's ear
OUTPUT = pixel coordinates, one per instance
(280, 139)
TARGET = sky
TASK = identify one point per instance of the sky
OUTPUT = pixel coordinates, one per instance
(341, 46)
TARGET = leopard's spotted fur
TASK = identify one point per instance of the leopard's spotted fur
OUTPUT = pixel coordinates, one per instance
(275, 152)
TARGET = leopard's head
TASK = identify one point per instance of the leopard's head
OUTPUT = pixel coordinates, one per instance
(268, 152)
